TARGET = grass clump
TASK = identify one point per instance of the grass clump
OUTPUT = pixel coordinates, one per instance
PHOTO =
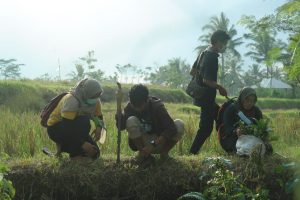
(102, 179)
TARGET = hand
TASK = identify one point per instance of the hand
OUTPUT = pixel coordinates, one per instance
(222, 91)
(147, 150)
(96, 134)
(89, 149)
(160, 140)
(239, 132)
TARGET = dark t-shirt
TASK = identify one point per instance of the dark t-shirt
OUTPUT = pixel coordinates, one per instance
(209, 66)
(209, 71)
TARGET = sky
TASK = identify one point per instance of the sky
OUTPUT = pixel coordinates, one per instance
(145, 33)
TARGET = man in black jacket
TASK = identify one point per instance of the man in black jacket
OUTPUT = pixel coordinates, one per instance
(209, 71)
(150, 128)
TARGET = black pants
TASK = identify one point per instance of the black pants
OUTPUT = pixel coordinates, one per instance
(209, 113)
(228, 143)
(71, 134)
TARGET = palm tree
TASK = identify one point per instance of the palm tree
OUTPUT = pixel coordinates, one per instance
(254, 75)
(263, 45)
(221, 23)
(175, 74)
(232, 74)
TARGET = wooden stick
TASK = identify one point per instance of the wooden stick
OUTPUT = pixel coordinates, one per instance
(119, 118)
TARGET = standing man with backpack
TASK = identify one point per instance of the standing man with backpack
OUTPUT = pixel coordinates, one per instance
(209, 70)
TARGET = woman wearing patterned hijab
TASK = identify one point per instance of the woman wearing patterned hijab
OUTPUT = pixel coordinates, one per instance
(69, 123)
(230, 132)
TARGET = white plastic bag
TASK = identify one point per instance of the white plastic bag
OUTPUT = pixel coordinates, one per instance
(246, 143)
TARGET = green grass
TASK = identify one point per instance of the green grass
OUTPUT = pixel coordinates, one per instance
(22, 136)
(36, 176)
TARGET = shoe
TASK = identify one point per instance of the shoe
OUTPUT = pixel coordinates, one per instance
(48, 152)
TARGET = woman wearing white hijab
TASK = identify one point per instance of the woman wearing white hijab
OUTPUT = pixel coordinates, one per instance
(69, 123)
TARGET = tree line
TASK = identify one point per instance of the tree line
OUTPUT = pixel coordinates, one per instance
(272, 57)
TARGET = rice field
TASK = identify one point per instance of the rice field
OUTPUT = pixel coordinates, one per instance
(23, 137)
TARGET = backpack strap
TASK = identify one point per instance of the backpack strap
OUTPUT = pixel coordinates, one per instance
(196, 69)
(199, 61)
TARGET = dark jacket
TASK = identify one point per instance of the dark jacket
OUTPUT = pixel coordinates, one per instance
(231, 118)
(155, 114)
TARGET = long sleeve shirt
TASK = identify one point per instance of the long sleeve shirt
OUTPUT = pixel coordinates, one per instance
(155, 115)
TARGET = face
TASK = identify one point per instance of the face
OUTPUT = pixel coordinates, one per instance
(249, 102)
(141, 108)
(221, 46)
(93, 100)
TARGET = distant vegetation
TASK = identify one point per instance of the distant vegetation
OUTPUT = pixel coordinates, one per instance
(33, 95)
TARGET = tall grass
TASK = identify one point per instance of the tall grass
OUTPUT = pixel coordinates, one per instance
(22, 136)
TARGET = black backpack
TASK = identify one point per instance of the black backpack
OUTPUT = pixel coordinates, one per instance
(48, 109)
(220, 117)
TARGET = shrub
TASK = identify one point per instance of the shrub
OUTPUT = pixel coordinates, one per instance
(7, 191)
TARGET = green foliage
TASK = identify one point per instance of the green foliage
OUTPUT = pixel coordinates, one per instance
(259, 129)
(129, 71)
(91, 70)
(9, 69)
(22, 136)
(253, 76)
(232, 74)
(78, 74)
(225, 185)
(175, 74)
(294, 68)
(7, 190)
(222, 23)
(286, 19)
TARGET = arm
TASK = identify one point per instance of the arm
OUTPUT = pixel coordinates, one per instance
(211, 84)
(124, 116)
(229, 120)
(210, 72)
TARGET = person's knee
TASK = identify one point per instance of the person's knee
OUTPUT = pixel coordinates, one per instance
(180, 129)
(206, 126)
(228, 145)
(133, 127)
